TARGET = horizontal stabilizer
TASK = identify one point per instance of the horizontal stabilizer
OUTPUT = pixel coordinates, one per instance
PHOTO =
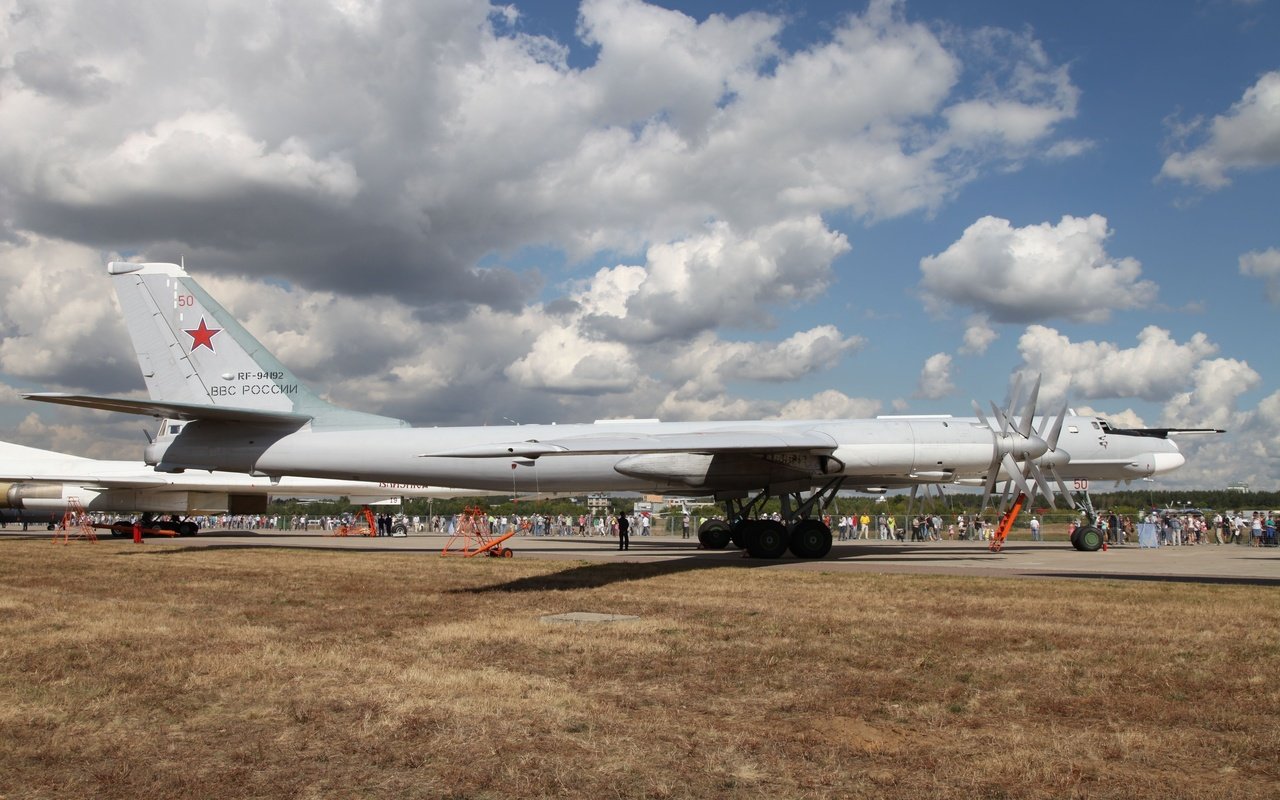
(170, 410)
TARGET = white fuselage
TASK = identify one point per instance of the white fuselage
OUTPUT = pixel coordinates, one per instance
(867, 452)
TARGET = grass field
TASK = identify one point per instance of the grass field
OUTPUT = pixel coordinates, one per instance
(131, 672)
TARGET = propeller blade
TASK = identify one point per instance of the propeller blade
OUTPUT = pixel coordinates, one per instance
(981, 417)
(990, 487)
(1011, 467)
(1005, 496)
(1005, 425)
(1016, 393)
(1041, 484)
(1062, 487)
(1056, 430)
(1029, 410)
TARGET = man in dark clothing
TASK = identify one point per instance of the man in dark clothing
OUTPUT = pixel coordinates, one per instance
(624, 541)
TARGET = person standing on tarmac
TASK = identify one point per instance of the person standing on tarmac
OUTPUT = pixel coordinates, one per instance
(624, 541)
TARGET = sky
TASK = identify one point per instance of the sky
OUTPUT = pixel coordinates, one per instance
(462, 213)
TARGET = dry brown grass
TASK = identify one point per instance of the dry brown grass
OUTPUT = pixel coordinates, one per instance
(130, 672)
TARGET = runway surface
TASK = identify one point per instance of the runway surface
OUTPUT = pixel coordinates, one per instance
(1201, 563)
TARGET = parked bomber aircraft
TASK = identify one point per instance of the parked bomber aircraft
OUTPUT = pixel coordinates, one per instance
(234, 406)
(39, 484)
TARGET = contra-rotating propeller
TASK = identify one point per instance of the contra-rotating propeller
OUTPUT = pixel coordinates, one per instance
(1022, 452)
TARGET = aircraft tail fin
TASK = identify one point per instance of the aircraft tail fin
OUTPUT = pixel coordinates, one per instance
(195, 355)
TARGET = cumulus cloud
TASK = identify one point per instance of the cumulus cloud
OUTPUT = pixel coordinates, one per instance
(57, 326)
(1247, 452)
(1264, 264)
(1246, 137)
(978, 335)
(562, 359)
(692, 285)
(829, 404)
(1038, 272)
(935, 378)
(1211, 402)
(395, 146)
(1155, 369)
(211, 153)
(708, 362)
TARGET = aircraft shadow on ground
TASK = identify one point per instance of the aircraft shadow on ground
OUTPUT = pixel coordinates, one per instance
(603, 573)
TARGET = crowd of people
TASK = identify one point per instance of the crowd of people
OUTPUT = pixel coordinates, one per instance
(1257, 528)
(1173, 528)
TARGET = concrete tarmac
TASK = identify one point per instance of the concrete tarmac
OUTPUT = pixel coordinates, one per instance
(1053, 559)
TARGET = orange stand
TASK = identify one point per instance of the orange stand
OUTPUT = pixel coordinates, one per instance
(75, 518)
(369, 529)
(1006, 523)
(474, 534)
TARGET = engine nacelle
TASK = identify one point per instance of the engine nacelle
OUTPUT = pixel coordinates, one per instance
(33, 496)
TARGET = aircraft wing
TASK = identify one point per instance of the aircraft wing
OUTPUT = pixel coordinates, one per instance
(711, 442)
(87, 481)
(1164, 433)
(170, 410)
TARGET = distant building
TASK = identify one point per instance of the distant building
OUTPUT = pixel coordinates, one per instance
(1238, 487)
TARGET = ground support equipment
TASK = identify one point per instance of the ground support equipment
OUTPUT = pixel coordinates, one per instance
(76, 524)
(370, 528)
(475, 538)
(1006, 523)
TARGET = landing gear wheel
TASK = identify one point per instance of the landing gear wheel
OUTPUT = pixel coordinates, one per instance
(1088, 539)
(810, 539)
(188, 528)
(714, 534)
(766, 539)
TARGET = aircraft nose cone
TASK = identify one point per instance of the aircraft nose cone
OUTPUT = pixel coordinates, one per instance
(1166, 462)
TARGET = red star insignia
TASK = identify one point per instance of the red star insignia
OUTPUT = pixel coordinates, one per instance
(203, 336)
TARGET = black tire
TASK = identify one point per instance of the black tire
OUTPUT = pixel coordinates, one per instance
(1075, 538)
(1089, 539)
(121, 527)
(714, 534)
(767, 539)
(810, 538)
(188, 528)
(400, 529)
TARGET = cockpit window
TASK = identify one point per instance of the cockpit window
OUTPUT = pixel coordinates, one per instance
(1096, 426)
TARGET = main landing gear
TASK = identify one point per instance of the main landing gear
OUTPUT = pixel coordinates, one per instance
(1088, 537)
(804, 536)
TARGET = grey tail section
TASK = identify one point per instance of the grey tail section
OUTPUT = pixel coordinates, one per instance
(197, 359)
